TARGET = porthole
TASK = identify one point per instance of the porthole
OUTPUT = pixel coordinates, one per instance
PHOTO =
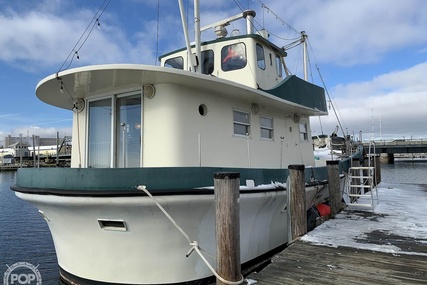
(203, 110)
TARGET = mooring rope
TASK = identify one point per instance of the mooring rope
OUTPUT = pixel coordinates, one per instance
(194, 245)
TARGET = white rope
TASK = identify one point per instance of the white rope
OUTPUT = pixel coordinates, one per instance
(193, 244)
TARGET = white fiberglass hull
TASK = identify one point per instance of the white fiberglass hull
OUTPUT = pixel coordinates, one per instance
(149, 249)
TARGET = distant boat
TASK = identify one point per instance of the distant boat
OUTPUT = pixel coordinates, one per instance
(167, 129)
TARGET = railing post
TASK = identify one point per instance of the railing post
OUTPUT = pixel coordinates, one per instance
(297, 202)
(335, 196)
(227, 220)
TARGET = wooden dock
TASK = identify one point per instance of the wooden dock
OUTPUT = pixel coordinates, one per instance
(306, 263)
(391, 249)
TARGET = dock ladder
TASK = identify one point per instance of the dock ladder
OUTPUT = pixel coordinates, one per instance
(361, 189)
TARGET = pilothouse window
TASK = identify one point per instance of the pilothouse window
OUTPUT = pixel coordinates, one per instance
(176, 62)
(233, 57)
(279, 65)
(208, 61)
(260, 57)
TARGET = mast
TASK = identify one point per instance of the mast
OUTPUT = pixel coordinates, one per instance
(305, 57)
(199, 61)
(187, 40)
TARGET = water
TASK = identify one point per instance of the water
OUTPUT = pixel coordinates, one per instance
(24, 234)
(405, 171)
(25, 237)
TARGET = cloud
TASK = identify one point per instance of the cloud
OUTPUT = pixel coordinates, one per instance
(36, 38)
(350, 33)
(392, 103)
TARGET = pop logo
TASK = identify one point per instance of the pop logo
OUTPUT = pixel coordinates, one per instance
(22, 273)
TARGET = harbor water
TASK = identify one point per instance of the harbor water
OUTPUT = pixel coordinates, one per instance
(25, 237)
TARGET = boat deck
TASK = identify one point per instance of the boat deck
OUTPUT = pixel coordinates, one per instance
(384, 246)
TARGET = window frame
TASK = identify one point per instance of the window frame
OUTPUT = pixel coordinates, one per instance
(246, 124)
(259, 49)
(269, 129)
(211, 60)
(279, 65)
(168, 65)
(303, 131)
(227, 58)
(113, 127)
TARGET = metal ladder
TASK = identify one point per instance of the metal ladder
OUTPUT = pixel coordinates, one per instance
(361, 190)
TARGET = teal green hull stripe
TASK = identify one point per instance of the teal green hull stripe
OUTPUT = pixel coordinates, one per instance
(176, 178)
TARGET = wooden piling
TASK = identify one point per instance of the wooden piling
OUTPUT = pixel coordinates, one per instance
(335, 195)
(297, 202)
(377, 170)
(227, 219)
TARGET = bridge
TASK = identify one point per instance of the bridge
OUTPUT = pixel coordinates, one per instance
(397, 146)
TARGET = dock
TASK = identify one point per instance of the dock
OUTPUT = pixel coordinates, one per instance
(384, 246)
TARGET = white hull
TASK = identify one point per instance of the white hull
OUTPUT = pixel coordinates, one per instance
(151, 250)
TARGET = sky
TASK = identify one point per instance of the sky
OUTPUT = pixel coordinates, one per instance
(371, 55)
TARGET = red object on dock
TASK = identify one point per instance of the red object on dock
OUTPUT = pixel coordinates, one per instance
(323, 209)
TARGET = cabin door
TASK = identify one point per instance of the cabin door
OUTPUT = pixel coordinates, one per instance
(128, 131)
(114, 135)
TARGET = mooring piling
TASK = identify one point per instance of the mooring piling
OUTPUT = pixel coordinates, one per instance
(335, 195)
(226, 187)
(297, 201)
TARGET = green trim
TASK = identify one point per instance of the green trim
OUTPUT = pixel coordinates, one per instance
(154, 178)
(161, 178)
(301, 92)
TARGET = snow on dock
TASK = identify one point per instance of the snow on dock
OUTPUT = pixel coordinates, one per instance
(384, 246)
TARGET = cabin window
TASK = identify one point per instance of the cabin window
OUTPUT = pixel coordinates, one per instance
(303, 132)
(260, 57)
(266, 124)
(99, 137)
(233, 57)
(208, 61)
(176, 62)
(128, 131)
(241, 123)
(279, 65)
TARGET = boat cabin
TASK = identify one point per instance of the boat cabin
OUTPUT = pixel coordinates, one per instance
(234, 107)
(246, 59)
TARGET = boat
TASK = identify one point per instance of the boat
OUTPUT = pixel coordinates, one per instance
(147, 138)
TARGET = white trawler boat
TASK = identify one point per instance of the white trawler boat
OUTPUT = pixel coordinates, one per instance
(169, 128)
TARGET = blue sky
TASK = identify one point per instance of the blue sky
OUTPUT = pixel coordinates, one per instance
(372, 54)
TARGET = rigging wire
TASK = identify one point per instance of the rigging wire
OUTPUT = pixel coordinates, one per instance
(277, 16)
(330, 100)
(336, 112)
(85, 35)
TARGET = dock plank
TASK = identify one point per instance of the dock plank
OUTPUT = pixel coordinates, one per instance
(306, 263)
(387, 245)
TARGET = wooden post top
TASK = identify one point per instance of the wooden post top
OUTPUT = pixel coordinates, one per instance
(296, 167)
(225, 175)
